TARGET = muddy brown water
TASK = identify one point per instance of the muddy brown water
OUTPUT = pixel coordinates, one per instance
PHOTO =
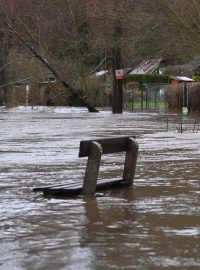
(153, 225)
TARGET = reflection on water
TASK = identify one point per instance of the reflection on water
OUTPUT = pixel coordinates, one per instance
(154, 225)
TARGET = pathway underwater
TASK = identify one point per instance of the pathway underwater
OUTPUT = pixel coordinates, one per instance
(154, 225)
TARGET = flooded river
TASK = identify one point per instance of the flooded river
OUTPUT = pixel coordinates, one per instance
(153, 225)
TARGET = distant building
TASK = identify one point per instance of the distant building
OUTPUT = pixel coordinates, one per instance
(101, 73)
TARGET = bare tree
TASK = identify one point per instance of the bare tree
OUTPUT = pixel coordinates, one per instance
(171, 29)
(6, 42)
(71, 37)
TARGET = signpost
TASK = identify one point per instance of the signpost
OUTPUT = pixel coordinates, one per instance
(119, 73)
(27, 92)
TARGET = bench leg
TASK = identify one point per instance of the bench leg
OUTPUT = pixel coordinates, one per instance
(130, 161)
(92, 169)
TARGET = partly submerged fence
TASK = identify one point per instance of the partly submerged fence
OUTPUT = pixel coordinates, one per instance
(149, 96)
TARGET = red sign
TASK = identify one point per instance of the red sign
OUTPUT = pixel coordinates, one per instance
(119, 74)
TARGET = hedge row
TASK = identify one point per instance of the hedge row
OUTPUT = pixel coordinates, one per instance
(146, 78)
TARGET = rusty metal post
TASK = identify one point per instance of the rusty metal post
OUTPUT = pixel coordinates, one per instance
(130, 161)
(92, 169)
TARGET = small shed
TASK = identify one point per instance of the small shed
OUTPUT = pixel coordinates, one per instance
(183, 82)
(177, 80)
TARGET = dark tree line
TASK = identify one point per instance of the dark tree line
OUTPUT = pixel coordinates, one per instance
(70, 38)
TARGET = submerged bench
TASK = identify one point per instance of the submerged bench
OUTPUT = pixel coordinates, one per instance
(93, 149)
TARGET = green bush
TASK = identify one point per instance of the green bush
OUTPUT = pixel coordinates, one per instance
(196, 78)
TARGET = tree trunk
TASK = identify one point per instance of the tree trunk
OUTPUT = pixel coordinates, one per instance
(7, 95)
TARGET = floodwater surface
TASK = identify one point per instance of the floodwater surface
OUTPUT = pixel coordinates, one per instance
(153, 225)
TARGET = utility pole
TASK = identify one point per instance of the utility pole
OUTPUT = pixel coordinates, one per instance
(117, 105)
(185, 99)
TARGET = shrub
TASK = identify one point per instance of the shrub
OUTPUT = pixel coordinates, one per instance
(175, 97)
(194, 97)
